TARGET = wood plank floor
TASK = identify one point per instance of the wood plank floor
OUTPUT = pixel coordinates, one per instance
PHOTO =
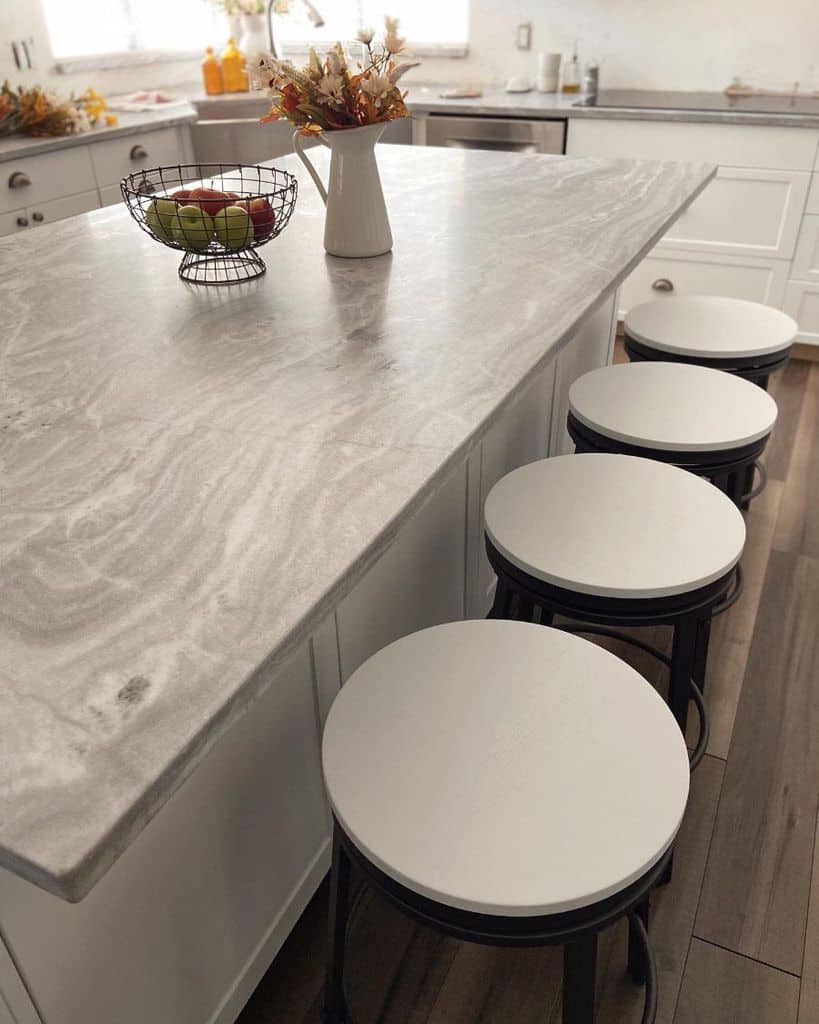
(736, 934)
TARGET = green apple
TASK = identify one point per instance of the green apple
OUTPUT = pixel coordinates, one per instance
(234, 228)
(160, 217)
(192, 228)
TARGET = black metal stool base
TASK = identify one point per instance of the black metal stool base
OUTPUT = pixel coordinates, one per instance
(732, 470)
(575, 930)
(689, 615)
(754, 368)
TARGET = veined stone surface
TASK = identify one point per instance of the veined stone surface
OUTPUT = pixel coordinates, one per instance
(190, 477)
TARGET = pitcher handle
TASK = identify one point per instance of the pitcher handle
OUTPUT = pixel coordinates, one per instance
(299, 148)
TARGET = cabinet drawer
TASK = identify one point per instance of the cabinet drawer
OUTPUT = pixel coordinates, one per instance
(60, 173)
(750, 278)
(813, 196)
(109, 195)
(806, 261)
(8, 222)
(734, 145)
(117, 157)
(59, 209)
(802, 303)
(744, 211)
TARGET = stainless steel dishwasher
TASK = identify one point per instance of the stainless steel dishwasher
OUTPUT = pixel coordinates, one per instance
(514, 135)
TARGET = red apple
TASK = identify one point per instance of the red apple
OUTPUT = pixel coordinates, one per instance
(181, 194)
(211, 200)
(261, 214)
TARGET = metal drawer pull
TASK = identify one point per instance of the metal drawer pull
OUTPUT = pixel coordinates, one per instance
(38, 218)
(19, 180)
(22, 222)
(662, 284)
(138, 152)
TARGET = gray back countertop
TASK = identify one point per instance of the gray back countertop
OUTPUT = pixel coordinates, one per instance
(193, 477)
(15, 147)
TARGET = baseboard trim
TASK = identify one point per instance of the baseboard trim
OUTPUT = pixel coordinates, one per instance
(273, 940)
(808, 353)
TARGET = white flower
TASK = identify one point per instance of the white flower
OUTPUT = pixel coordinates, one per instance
(376, 86)
(392, 41)
(365, 35)
(332, 88)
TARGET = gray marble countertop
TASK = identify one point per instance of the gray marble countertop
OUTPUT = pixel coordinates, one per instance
(544, 105)
(15, 147)
(193, 477)
(497, 103)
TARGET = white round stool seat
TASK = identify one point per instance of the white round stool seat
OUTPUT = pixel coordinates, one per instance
(614, 526)
(710, 327)
(505, 768)
(672, 406)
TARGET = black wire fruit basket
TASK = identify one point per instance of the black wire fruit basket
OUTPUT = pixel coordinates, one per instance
(218, 215)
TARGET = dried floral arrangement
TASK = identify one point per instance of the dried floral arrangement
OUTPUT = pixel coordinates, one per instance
(247, 6)
(36, 111)
(330, 96)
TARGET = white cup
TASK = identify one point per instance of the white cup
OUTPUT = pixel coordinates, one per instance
(548, 64)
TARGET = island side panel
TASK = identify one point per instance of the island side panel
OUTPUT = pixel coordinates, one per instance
(182, 927)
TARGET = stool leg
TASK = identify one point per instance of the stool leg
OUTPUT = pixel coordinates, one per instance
(502, 604)
(747, 486)
(579, 973)
(335, 1011)
(526, 609)
(636, 953)
(701, 653)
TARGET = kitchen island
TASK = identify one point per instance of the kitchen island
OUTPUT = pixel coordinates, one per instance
(216, 503)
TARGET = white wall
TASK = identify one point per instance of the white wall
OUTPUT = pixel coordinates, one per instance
(700, 44)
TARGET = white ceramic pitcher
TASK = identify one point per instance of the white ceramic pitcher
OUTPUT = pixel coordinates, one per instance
(357, 223)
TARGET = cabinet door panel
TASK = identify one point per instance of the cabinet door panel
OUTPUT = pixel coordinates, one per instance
(9, 225)
(806, 262)
(419, 581)
(521, 436)
(689, 273)
(744, 212)
(802, 303)
(813, 196)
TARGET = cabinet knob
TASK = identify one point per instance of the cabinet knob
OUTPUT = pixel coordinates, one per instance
(662, 284)
(19, 180)
(38, 218)
(22, 222)
(138, 152)
(145, 187)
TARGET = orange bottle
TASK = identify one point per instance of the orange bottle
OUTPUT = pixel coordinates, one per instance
(212, 74)
(234, 72)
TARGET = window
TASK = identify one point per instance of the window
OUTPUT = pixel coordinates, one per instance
(97, 28)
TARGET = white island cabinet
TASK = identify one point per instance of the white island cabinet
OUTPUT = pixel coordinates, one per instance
(753, 232)
(221, 502)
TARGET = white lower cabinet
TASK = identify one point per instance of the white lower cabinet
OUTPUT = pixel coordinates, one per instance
(806, 261)
(671, 272)
(110, 194)
(802, 303)
(59, 209)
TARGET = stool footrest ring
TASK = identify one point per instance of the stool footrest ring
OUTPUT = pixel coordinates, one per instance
(760, 486)
(650, 1002)
(733, 597)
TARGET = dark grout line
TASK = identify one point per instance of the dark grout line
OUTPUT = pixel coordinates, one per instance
(753, 959)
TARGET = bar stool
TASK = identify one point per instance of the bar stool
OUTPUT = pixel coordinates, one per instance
(745, 338)
(711, 423)
(618, 541)
(505, 784)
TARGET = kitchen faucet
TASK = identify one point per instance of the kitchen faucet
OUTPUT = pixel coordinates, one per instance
(316, 20)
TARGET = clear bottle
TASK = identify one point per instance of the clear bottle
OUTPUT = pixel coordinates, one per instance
(234, 72)
(571, 74)
(212, 74)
